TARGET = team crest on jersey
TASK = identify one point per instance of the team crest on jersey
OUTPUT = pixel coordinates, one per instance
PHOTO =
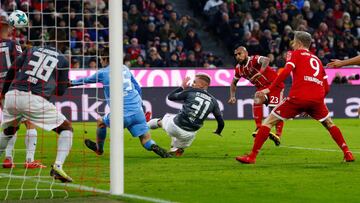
(18, 48)
(288, 55)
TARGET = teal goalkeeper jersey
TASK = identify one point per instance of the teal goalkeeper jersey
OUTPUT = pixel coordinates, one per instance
(131, 89)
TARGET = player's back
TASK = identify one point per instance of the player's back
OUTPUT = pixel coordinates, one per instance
(43, 71)
(198, 104)
(132, 99)
(308, 76)
(9, 50)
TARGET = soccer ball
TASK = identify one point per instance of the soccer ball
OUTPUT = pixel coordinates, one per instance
(18, 19)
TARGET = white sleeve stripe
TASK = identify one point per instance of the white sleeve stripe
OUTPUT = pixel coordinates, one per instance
(258, 61)
(325, 77)
(290, 63)
(236, 78)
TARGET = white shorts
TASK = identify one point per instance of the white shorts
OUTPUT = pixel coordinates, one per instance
(21, 105)
(182, 137)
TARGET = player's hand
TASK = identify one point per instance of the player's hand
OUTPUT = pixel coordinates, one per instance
(336, 63)
(185, 83)
(218, 134)
(256, 76)
(232, 100)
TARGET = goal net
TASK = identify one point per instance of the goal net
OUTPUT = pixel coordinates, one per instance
(84, 23)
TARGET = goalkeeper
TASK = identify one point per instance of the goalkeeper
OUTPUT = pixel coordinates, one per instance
(134, 119)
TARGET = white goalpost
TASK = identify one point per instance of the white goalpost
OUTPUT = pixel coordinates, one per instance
(116, 98)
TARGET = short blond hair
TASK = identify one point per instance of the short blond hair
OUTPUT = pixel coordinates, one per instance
(205, 77)
(304, 38)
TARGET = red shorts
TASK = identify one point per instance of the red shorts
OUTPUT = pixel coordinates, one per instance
(274, 97)
(291, 107)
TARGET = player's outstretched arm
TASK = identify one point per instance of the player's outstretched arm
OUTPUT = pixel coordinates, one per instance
(232, 99)
(282, 76)
(221, 124)
(338, 63)
(177, 94)
(95, 78)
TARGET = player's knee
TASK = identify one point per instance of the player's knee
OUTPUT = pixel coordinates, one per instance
(328, 123)
(66, 125)
(10, 131)
(29, 125)
(100, 123)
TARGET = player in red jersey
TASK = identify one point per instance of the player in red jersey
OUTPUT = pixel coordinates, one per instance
(307, 95)
(256, 69)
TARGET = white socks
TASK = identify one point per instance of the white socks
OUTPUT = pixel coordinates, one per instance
(153, 123)
(10, 147)
(64, 146)
(30, 142)
(3, 142)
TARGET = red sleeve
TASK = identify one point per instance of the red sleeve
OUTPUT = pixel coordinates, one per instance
(291, 58)
(325, 82)
(281, 77)
(237, 72)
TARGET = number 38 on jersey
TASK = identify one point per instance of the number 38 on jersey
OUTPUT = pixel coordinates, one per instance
(42, 67)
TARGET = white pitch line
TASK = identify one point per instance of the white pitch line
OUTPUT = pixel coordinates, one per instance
(315, 149)
(84, 188)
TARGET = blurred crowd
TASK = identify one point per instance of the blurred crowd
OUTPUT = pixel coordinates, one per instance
(265, 27)
(156, 35)
(84, 23)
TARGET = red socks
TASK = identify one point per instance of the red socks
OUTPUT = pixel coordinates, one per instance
(258, 114)
(260, 138)
(339, 139)
(279, 126)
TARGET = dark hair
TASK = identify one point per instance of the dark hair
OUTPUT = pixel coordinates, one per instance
(104, 53)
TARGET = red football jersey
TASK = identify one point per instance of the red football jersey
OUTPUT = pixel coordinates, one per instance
(251, 68)
(308, 75)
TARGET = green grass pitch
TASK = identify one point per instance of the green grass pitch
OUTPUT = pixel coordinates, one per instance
(307, 167)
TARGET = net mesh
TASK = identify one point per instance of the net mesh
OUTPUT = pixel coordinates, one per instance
(85, 25)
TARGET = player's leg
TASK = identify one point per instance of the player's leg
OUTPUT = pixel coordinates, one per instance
(338, 138)
(9, 124)
(183, 140)
(155, 123)
(6, 136)
(102, 124)
(174, 148)
(65, 132)
(285, 110)
(150, 145)
(30, 142)
(258, 116)
(137, 126)
(273, 99)
(320, 112)
(261, 137)
(9, 161)
(275, 137)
